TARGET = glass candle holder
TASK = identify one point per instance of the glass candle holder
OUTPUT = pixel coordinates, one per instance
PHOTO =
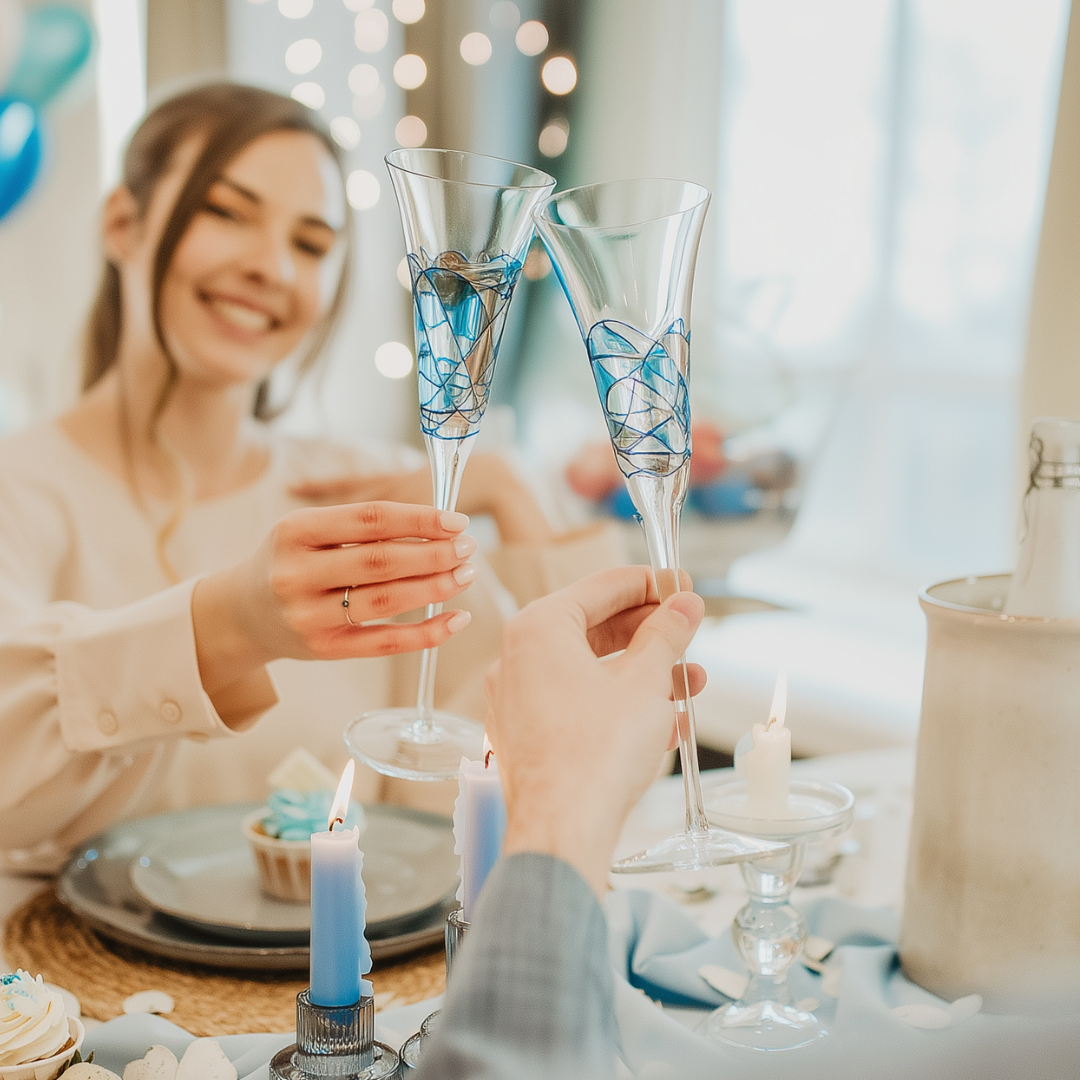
(769, 932)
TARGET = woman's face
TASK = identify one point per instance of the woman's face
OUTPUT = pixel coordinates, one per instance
(259, 263)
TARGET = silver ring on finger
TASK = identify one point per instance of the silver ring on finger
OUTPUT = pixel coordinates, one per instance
(345, 605)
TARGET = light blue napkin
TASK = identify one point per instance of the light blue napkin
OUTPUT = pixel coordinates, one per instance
(658, 949)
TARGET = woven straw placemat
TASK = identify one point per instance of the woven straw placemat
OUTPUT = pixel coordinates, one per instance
(45, 938)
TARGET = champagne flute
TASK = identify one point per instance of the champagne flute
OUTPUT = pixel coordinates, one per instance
(468, 223)
(624, 252)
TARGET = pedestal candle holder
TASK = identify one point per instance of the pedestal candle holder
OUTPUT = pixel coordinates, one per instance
(769, 933)
(456, 929)
(334, 1041)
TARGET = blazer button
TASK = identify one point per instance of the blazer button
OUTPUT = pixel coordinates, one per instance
(107, 723)
(170, 712)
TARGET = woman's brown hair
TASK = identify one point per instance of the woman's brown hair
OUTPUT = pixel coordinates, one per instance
(225, 117)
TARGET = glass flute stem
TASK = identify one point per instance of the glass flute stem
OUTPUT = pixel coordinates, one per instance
(659, 500)
(447, 458)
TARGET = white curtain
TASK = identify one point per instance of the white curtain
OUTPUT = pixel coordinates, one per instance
(882, 181)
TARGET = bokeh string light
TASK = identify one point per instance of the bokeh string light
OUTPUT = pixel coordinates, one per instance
(554, 137)
(371, 29)
(303, 56)
(362, 189)
(393, 359)
(295, 9)
(505, 16)
(408, 11)
(531, 38)
(346, 132)
(559, 75)
(310, 94)
(410, 71)
(476, 48)
(364, 79)
(410, 131)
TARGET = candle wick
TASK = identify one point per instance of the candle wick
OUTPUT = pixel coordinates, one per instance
(487, 758)
(336, 821)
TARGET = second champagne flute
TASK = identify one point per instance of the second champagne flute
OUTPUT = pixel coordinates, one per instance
(624, 252)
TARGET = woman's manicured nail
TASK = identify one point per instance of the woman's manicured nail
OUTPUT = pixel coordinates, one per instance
(464, 546)
(454, 522)
(460, 620)
(465, 573)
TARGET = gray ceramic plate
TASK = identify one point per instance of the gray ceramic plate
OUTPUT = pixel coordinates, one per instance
(398, 843)
(204, 873)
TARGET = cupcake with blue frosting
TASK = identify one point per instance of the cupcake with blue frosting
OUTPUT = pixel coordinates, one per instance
(302, 791)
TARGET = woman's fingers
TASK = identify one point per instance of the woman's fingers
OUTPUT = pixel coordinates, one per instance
(388, 639)
(367, 522)
(388, 598)
(388, 560)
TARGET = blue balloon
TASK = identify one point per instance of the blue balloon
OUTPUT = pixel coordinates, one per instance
(57, 42)
(20, 151)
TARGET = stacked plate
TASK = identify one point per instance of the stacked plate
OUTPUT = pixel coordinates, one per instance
(185, 885)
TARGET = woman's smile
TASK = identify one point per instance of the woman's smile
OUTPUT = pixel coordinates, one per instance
(249, 318)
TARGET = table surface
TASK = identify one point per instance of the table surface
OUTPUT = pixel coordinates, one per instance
(871, 873)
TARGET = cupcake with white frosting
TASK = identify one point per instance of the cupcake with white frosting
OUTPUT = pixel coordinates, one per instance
(37, 1037)
(303, 790)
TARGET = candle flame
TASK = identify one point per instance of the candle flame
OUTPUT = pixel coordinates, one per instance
(488, 751)
(779, 702)
(339, 809)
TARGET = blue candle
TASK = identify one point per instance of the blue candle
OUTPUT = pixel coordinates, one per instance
(479, 825)
(340, 954)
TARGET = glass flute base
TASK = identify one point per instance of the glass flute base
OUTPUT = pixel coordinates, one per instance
(763, 1025)
(696, 851)
(398, 742)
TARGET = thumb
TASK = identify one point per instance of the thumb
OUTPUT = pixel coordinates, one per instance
(663, 637)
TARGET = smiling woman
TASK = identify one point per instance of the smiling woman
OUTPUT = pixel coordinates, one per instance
(167, 559)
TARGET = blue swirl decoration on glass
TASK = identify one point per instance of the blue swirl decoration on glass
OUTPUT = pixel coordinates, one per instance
(641, 381)
(460, 310)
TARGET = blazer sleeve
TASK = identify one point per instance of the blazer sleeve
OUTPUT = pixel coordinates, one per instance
(531, 995)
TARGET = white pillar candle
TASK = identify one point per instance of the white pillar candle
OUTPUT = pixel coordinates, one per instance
(767, 765)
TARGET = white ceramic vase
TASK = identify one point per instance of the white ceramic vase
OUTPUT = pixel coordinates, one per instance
(992, 897)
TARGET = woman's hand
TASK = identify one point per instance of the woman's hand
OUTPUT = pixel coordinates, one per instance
(286, 599)
(489, 485)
